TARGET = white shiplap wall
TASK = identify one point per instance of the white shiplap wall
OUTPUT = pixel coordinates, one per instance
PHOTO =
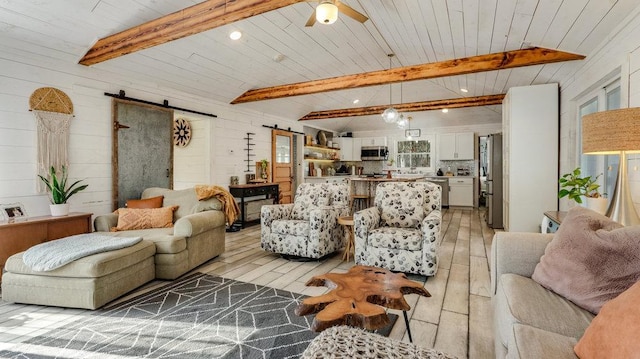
(216, 153)
(617, 56)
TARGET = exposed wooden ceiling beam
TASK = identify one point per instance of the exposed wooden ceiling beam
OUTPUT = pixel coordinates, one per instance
(407, 107)
(192, 20)
(481, 63)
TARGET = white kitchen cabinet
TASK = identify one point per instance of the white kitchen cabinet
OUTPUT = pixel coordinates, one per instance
(461, 192)
(456, 146)
(350, 148)
(530, 155)
(374, 141)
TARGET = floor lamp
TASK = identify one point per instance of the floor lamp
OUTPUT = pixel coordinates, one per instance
(615, 132)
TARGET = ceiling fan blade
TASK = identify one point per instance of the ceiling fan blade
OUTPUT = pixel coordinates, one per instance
(350, 12)
(312, 19)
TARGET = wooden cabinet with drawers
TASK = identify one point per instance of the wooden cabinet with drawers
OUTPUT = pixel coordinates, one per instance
(19, 236)
(252, 198)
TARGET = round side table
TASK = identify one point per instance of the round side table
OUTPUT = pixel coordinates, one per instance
(347, 221)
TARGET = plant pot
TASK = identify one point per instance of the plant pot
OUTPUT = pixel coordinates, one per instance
(597, 204)
(58, 210)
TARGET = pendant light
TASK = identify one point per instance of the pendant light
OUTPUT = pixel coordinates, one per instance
(408, 132)
(402, 121)
(390, 115)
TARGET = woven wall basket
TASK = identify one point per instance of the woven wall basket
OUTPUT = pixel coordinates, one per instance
(50, 99)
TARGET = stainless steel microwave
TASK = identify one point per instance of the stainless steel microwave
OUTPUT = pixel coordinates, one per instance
(374, 153)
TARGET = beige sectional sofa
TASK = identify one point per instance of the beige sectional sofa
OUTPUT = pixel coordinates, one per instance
(196, 237)
(529, 320)
(165, 253)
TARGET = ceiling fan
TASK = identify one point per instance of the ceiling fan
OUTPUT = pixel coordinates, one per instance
(327, 12)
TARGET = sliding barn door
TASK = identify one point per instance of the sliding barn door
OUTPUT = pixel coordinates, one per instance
(142, 149)
(282, 160)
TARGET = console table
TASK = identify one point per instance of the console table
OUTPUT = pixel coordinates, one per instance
(252, 197)
(19, 236)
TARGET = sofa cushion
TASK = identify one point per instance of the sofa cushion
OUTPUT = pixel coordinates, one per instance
(591, 259)
(152, 202)
(400, 204)
(93, 266)
(129, 219)
(407, 239)
(309, 197)
(297, 228)
(185, 198)
(529, 342)
(614, 331)
(163, 238)
(521, 300)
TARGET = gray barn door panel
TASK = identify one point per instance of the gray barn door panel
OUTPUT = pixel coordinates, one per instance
(143, 149)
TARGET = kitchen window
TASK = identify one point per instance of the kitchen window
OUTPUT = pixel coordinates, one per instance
(602, 99)
(414, 154)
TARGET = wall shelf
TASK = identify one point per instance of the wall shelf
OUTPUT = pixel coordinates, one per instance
(319, 147)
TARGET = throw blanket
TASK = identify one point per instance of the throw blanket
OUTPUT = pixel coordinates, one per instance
(229, 205)
(54, 254)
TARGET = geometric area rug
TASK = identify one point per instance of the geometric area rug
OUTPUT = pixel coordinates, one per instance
(198, 316)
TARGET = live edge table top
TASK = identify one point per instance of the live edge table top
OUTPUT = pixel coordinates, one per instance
(358, 297)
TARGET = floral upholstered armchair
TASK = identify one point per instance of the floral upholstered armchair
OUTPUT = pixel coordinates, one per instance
(309, 226)
(402, 231)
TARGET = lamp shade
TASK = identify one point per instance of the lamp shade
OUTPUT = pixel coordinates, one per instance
(610, 132)
(326, 12)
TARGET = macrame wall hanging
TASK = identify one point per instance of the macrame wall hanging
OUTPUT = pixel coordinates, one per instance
(53, 111)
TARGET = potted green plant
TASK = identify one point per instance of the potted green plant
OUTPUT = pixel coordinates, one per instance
(264, 164)
(60, 193)
(575, 187)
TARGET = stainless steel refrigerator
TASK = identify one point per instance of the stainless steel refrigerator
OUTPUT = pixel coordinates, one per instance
(494, 181)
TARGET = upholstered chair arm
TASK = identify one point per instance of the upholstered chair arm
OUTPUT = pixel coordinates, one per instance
(325, 234)
(517, 253)
(431, 225)
(270, 213)
(363, 222)
(194, 224)
(104, 222)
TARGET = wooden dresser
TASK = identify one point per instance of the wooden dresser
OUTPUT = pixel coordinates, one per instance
(19, 236)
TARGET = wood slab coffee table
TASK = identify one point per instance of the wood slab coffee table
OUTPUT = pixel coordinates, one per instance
(358, 298)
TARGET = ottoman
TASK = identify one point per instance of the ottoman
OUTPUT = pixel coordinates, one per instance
(88, 282)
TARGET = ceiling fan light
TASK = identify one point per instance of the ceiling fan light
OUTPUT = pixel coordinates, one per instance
(390, 115)
(326, 12)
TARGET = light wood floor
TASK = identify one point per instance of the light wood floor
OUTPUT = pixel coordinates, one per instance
(456, 319)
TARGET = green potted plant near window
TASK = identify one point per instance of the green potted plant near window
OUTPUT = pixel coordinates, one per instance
(60, 193)
(576, 187)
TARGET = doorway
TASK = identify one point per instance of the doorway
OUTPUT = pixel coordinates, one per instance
(282, 160)
(142, 149)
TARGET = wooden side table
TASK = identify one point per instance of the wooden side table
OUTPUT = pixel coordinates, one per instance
(357, 298)
(349, 248)
(19, 236)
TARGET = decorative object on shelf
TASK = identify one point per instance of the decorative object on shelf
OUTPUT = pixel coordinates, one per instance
(181, 132)
(615, 132)
(53, 110)
(249, 150)
(390, 115)
(60, 193)
(234, 181)
(250, 177)
(12, 212)
(262, 172)
(322, 138)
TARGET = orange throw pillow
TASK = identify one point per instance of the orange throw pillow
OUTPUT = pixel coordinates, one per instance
(153, 202)
(613, 333)
(144, 218)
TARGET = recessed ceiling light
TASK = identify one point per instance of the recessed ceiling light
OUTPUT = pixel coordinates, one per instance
(235, 35)
(356, 101)
(464, 90)
(445, 110)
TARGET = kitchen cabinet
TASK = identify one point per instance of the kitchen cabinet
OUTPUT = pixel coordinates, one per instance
(349, 148)
(374, 141)
(456, 146)
(461, 191)
(530, 155)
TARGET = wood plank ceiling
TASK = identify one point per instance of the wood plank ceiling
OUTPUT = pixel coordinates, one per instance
(277, 49)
